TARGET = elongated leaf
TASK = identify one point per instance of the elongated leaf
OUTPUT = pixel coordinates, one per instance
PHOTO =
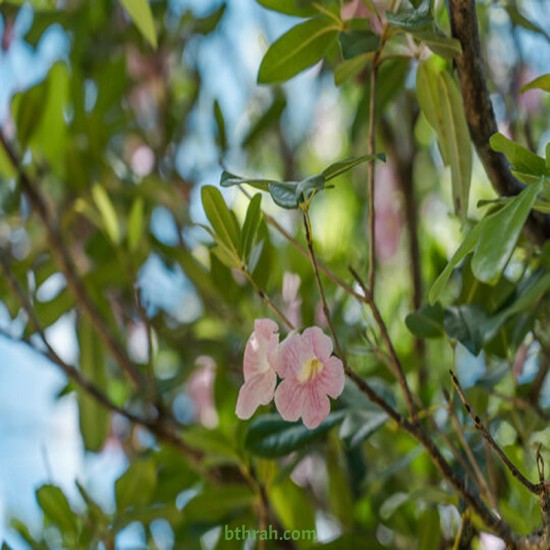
(57, 509)
(465, 324)
(521, 158)
(270, 436)
(540, 83)
(343, 166)
(306, 187)
(418, 20)
(135, 224)
(93, 417)
(467, 245)
(299, 48)
(456, 135)
(218, 502)
(223, 223)
(229, 180)
(107, 211)
(499, 234)
(357, 42)
(251, 225)
(267, 120)
(141, 14)
(440, 43)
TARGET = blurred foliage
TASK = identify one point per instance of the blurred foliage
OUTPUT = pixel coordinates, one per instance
(101, 139)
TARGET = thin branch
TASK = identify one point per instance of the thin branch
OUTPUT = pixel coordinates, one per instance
(397, 368)
(535, 488)
(63, 258)
(479, 110)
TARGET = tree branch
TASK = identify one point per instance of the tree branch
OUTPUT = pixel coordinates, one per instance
(479, 110)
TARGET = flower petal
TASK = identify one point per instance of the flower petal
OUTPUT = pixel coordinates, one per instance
(289, 399)
(291, 352)
(260, 348)
(319, 342)
(257, 390)
(331, 379)
(316, 407)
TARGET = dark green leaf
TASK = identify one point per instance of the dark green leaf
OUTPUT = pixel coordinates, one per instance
(299, 48)
(284, 194)
(270, 436)
(228, 180)
(465, 324)
(357, 42)
(300, 8)
(306, 187)
(426, 322)
(221, 136)
(359, 425)
(342, 166)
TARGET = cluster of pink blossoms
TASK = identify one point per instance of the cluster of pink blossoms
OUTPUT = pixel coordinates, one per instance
(304, 362)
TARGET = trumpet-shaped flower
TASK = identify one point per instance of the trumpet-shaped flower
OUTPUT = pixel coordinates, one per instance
(310, 374)
(259, 366)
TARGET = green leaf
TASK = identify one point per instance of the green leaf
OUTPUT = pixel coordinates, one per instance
(499, 234)
(521, 158)
(426, 322)
(250, 226)
(299, 48)
(305, 188)
(357, 42)
(214, 504)
(135, 224)
(267, 120)
(299, 8)
(540, 83)
(221, 135)
(134, 487)
(107, 211)
(93, 417)
(284, 194)
(57, 509)
(359, 425)
(228, 180)
(465, 324)
(224, 224)
(467, 245)
(439, 42)
(270, 436)
(141, 14)
(341, 167)
(411, 21)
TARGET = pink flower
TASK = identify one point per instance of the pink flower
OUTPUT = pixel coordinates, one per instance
(260, 363)
(310, 374)
(200, 388)
(291, 298)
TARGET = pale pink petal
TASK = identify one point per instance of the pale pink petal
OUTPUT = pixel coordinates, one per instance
(257, 390)
(318, 342)
(260, 348)
(331, 379)
(291, 284)
(291, 355)
(289, 399)
(316, 406)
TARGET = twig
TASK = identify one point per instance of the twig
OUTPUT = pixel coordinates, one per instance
(397, 368)
(535, 488)
(63, 258)
(478, 476)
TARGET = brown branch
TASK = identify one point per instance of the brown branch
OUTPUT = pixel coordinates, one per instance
(535, 488)
(479, 110)
(63, 258)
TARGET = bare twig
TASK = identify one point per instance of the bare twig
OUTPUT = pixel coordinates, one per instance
(535, 488)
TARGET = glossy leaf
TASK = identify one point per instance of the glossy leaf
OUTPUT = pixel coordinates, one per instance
(141, 14)
(299, 8)
(284, 194)
(299, 48)
(465, 324)
(270, 436)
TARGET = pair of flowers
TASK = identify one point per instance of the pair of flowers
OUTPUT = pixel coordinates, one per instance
(304, 362)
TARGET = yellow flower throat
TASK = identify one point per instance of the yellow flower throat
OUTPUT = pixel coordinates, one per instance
(310, 369)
